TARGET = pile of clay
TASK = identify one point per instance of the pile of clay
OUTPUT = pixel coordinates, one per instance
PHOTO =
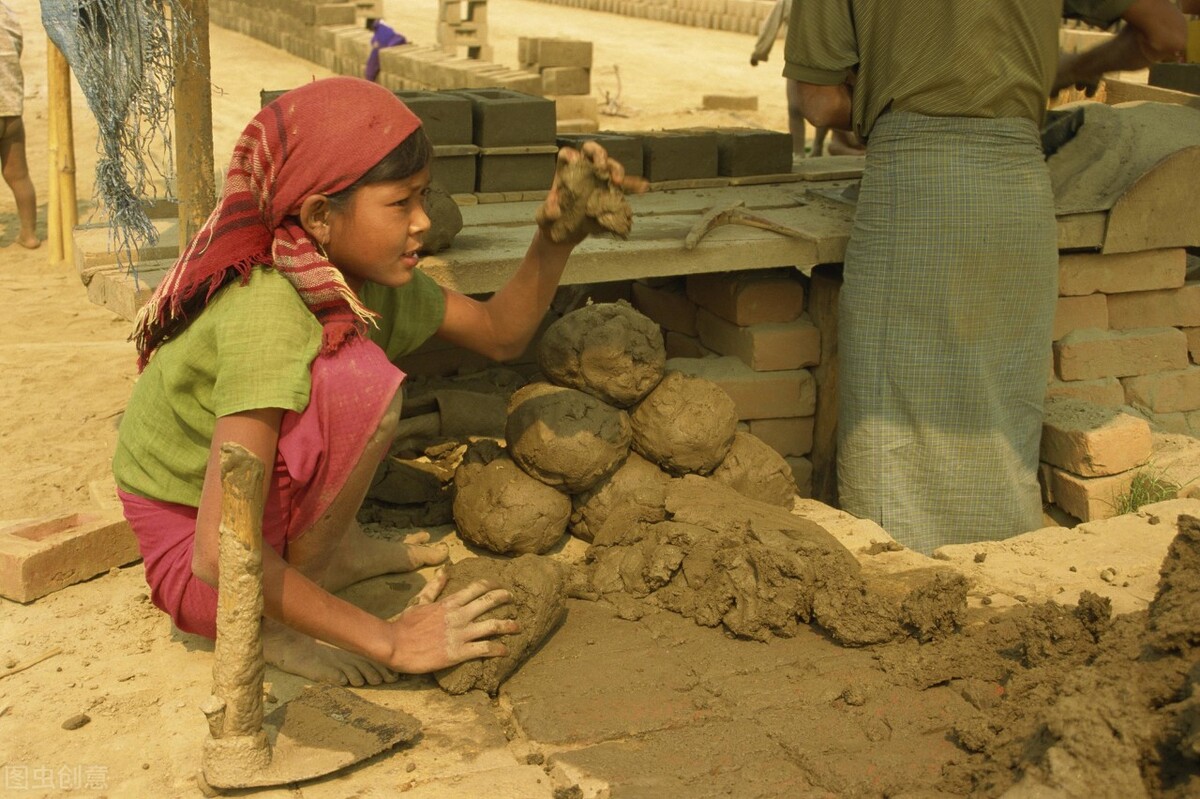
(610, 430)
(682, 509)
(1072, 702)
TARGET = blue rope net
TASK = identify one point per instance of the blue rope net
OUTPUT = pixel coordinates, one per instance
(121, 53)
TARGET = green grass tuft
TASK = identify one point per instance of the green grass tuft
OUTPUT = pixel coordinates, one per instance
(1146, 489)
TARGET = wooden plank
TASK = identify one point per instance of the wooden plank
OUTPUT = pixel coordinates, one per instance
(1120, 91)
(824, 290)
(831, 167)
(111, 287)
(483, 256)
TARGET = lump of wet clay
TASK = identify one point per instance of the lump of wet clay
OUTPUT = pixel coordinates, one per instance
(753, 469)
(637, 486)
(685, 425)
(589, 202)
(538, 604)
(499, 507)
(445, 221)
(565, 438)
(609, 350)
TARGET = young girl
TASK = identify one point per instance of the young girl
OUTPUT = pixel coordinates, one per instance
(276, 330)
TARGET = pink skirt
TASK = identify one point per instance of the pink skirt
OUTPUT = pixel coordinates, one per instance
(317, 449)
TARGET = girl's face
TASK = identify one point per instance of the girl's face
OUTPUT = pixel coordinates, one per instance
(377, 235)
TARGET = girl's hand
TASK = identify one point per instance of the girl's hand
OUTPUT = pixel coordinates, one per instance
(432, 634)
(587, 196)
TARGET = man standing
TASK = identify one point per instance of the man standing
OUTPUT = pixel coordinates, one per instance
(951, 270)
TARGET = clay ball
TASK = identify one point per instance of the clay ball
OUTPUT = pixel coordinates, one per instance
(755, 470)
(500, 508)
(608, 350)
(445, 220)
(638, 487)
(565, 438)
(685, 425)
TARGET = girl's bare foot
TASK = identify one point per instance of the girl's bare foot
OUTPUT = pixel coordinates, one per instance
(300, 654)
(29, 242)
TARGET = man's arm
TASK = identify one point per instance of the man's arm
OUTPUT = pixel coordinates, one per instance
(1155, 31)
(826, 106)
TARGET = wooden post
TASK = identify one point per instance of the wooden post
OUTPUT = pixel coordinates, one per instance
(823, 296)
(54, 235)
(193, 125)
(62, 211)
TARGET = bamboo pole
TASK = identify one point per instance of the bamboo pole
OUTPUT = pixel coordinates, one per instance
(193, 126)
(64, 159)
(54, 228)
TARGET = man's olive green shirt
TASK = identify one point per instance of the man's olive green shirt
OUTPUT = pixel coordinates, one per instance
(962, 58)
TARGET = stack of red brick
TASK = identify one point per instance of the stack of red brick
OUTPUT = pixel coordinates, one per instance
(1127, 333)
(746, 332)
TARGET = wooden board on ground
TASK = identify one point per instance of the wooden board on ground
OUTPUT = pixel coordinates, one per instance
(831, 167)
(122, 292)
(1120, 91)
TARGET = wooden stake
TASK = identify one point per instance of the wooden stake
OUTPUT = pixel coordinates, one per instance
(824, 290)
(193, 125)
(63, 175)
(29, 663)
(54, 228)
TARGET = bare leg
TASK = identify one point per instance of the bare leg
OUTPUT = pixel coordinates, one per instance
(336, 553)
(16, 175)
(846, 143)
(795, 119)
(819, 142)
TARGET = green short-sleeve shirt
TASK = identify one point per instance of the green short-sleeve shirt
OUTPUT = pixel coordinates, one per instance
(977, 58)
(252, 347)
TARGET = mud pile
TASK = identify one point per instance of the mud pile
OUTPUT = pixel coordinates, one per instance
(1071, 702)
(608, 432)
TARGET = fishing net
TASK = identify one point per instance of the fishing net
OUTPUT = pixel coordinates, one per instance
(123, 53)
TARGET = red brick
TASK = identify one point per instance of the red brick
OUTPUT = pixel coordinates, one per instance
(1193, 340)
(1168, 308)
(1092, 441)
(1079, 313)
(1092, 354)
(44, 555)
(1106, 391)
(765, 347)
(1187, 423)
(757, 395)
(1089, 498)
(1087, 273)
(680, 346)
(668, 305)
(790, 437)
(802, 472)
(749, 298)
(1165, 392)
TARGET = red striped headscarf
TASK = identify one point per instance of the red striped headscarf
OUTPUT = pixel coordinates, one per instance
(317, 139)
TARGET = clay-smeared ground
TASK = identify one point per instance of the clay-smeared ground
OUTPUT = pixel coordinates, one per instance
(625, 699)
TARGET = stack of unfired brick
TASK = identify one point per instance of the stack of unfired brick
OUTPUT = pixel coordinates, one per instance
(608, 432)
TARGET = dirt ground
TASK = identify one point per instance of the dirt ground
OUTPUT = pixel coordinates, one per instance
(624, 700)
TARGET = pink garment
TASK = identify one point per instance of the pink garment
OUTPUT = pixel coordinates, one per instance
(317, 449)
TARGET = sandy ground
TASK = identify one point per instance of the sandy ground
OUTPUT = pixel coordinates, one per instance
(616, 703)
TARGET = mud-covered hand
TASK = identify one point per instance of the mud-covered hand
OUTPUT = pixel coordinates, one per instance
(1072, 74)
(432, 634)
(587, 196)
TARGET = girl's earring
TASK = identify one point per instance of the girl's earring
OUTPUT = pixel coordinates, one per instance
(321, 250)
